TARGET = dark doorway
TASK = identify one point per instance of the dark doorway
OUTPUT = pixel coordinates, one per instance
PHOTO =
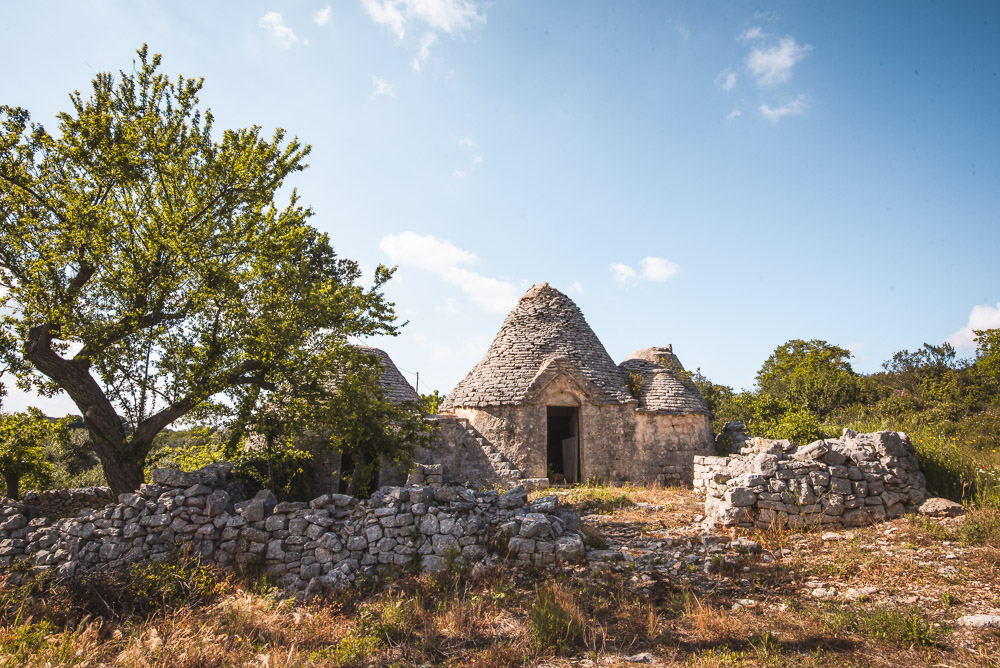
(563, 444)
(346, 469)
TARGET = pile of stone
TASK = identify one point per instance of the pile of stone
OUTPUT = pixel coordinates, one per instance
(309, 547)
(66, 502)
(426, 474)
(852, 481)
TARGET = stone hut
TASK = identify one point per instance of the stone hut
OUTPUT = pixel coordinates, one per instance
(328, 466)
(552, 402)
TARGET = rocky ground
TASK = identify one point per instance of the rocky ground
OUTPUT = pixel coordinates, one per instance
(659, 588)
(944, 582)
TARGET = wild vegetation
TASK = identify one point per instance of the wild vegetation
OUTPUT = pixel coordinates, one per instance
(949, 407)
(892, 595)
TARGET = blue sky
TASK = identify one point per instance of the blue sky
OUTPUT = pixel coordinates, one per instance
(719, 176)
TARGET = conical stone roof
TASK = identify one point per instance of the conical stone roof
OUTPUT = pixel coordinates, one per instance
(395, 386)
(663, 385)
(546, 331)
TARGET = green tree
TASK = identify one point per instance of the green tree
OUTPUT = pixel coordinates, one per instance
(812, 375)
(907, 370)
(144, 264)
(22, 457)
(987, 362)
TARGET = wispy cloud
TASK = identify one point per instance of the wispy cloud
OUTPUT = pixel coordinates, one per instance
(734, 114)
(792, 108)
(726, 80)
(753, 33)
(449, 263)
(381, 87)
(323, 16)
(475, 161)
(448, 16)
(774, 65)
(981, 317)
(658, 269)
(622, 273)
(652, 269)
(426, 42)
(282, 34)
(576, 287)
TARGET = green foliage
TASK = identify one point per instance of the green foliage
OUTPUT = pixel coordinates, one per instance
(287, 472)
(22, 456)
(812, 375)
(151, 242)
(556, 620)
(987, 364)
(431, 402)
(598, 498)
(128, 594)
(901, 625)
(770, 417)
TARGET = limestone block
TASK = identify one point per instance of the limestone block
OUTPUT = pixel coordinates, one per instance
(939, 507)
(737, 496)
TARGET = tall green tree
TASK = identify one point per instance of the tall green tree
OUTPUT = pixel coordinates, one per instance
(22, 436)
(145, 266)
(812, 375)
(987, 363)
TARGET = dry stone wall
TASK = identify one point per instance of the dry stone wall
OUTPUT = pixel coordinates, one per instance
(66, 502)
(855, 480)
(309, 547)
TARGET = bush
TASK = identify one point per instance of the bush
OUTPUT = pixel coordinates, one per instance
(556, 620)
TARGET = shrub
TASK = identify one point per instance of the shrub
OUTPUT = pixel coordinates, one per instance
(556, 620)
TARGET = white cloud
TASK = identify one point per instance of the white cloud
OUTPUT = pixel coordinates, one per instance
(425, 252)
(382, 87)
(652, 269)
(467, 142)
(658, 269)
(753, 33)
(322, 17)
(449, 16)
(445, 260)
(471, 348)
(622, 273)
(734, 114)
(981, 317)
(459, 174)
(774, 65)
(576, 287)
(726, 80)
(450, 307)
(273, 23)
(426, 42)
(793, 108)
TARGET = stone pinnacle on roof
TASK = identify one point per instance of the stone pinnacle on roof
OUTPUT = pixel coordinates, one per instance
(545, 330)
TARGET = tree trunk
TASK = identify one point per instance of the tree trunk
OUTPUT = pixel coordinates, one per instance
(13, 482)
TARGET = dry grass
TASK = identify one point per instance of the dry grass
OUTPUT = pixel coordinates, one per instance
(603, 613)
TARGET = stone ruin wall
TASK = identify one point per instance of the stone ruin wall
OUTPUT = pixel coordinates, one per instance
(852, 481)
(309, 547)
(666, 446)
(65, 502)
(618, 443)
(463, 459)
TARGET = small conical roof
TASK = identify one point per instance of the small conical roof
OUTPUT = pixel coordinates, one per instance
(545, 333)
(396, 387)
(662, 383)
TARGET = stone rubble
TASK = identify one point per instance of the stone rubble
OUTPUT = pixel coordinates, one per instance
(852, 481)
(308, 547)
